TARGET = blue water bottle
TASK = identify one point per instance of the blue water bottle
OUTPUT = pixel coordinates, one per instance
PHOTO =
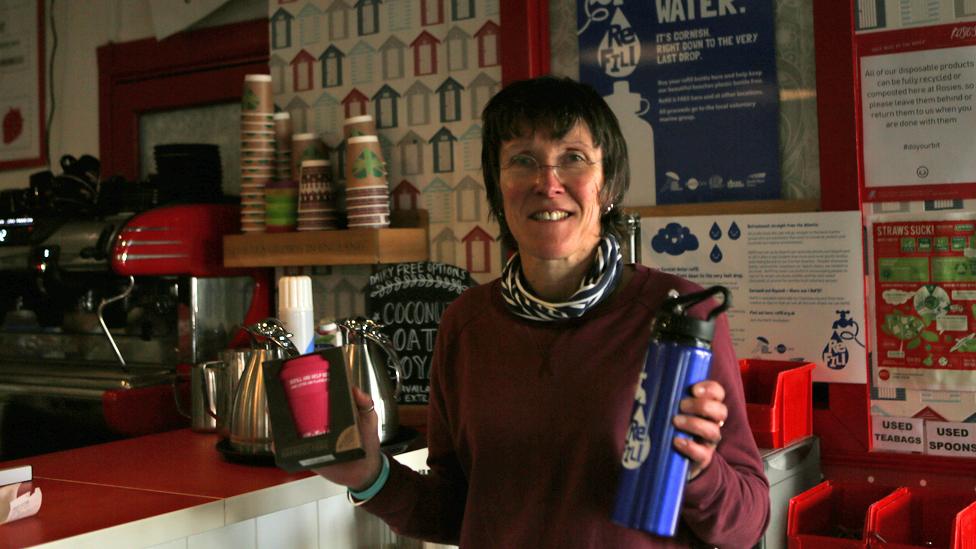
(653, 473)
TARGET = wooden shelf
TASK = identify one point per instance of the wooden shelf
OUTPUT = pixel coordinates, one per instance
(405, 240)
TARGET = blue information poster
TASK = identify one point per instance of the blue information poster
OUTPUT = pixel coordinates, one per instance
(693, 83)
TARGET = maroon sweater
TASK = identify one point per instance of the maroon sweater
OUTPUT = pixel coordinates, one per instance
(527, 423)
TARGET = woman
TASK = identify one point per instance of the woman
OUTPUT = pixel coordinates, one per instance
(534, 374)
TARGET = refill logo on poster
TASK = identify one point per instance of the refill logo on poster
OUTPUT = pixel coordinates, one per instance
(684, 77)
(925, 298)
(620, 48)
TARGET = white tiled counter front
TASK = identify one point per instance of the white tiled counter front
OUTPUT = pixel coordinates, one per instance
(307, 513)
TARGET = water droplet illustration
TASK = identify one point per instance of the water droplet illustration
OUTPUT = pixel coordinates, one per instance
(715, 232)
(619, 56)
(716, 255)
(734, 231)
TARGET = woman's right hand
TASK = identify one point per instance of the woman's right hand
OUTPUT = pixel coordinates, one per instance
(359, 474)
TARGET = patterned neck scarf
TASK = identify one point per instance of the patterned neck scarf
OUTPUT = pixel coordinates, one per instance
(598, 283)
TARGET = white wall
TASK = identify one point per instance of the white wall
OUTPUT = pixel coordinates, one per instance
(83, 26)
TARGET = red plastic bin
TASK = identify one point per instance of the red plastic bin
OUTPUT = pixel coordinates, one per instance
(832, 515)
(779, 400)
(924, 518)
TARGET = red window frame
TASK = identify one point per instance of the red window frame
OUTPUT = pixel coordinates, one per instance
(195, 68)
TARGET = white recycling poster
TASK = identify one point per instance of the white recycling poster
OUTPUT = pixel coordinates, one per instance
(797, 282)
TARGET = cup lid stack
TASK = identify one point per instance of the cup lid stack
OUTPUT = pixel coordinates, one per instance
(257, 149)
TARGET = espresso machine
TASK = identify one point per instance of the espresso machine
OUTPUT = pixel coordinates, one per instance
(99, 312)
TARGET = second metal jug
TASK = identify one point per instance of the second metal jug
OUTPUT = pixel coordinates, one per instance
(207, 385)
(248, 426)
(368, 352)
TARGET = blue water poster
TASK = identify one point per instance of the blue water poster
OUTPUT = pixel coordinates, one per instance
(693, 83)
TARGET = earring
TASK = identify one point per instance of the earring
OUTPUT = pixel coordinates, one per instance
(609, 207)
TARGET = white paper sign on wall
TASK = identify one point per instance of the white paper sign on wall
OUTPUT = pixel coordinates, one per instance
(898, 434)
(944, 438)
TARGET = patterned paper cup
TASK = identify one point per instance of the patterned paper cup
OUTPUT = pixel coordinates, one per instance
(370, 220)
(318, 221)
(260, 136)
(367, 191)
(316, 186)
(254, 145)
(256, 163)
(358, 125)
(306, 146)
(281, 212)
(308, 225)
(257, 96)
(257, 171)
(250, 186)
(255, 127)
(283, 128)
(364, 162)
(257, 150)
(360, 200)
(265, 120)
(356, 211)
(262, 116)
(260, 123)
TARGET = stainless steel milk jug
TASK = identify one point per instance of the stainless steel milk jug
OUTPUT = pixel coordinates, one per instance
(368, 354)
(207, 384)
(249, 429)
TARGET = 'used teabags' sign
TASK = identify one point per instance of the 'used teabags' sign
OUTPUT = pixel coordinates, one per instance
(408, 299)
(898, 434)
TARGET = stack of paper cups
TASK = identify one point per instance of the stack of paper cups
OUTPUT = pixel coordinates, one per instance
(257, 148)
(367, 191)
(317, 210)
(295, 310)
(306, 146)
(280, 206)
(354, 126)
(282, 134)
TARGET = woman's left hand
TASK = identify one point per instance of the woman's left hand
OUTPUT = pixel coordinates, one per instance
(702, 416)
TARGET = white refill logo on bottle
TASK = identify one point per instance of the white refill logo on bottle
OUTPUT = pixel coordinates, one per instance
(639, 135)
(295, 310)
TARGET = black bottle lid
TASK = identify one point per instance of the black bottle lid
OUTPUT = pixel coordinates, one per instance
(671, 322)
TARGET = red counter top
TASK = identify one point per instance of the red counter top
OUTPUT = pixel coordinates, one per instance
(106, 485)
(74, 508)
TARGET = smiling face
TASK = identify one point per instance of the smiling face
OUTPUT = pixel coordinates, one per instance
(552, 219)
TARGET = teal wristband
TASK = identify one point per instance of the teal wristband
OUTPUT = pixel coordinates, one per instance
(377, 485)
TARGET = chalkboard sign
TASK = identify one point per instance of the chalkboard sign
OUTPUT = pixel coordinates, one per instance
(408, 299)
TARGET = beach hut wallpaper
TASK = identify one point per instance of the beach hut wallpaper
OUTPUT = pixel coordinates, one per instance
(423, 69)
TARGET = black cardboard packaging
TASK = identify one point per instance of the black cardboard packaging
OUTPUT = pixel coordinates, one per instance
(342, 442)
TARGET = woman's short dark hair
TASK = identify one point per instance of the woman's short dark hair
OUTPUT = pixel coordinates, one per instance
(553, 106)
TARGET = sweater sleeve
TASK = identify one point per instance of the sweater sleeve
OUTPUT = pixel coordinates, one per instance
(727, 505)
(430, 506)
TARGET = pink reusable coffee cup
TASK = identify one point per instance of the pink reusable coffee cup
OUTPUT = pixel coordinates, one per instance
(306, 383)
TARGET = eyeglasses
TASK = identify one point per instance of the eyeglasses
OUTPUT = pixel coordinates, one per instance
(571, 167)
